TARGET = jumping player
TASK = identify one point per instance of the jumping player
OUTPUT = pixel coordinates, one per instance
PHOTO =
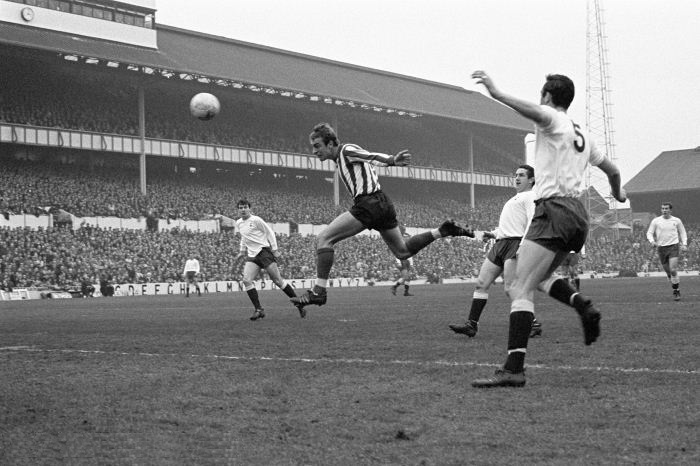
(372, 209)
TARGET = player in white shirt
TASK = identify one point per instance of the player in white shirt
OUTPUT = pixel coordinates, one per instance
(259, 247)
(515, 217)
(190, 273)
(563, 151)
(668, 235)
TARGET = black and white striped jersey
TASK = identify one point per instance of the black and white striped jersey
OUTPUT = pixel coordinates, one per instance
(355, 167)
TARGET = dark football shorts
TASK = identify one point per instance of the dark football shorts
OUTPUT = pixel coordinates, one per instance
(559, 224)
(504, 249)
(375, 211)
(667, 252)
(264, 258)
(190, 275)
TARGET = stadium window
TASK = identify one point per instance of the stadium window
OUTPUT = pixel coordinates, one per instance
(128, 19)
(138, 21)
(64, 6)
(97, 13)
(149, 21)
(119, 17)
(30, 2)
(42, 3)
(108, 15)
(76, 9)
(87, 11)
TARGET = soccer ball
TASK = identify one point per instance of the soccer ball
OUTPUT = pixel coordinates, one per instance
(204, 106)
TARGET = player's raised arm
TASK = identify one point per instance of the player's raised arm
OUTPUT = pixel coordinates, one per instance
(529, 110)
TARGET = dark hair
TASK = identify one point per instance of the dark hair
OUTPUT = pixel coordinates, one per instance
(529, 168)
(325, 132)
(670, 206)
(561, 88)
(243, 201)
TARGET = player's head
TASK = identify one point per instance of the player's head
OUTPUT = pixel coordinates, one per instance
(244, 208)
(325, 132)
(666, 208)
(560, 89)
(524, 177)
(323, 141)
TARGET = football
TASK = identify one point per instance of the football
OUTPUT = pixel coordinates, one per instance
(204, 106)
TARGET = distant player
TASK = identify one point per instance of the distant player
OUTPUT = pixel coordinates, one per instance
(190, 273)
(501, 259)
(569, 267)
(665, 233)
(259, 247)
(404, 266)
(372, 209)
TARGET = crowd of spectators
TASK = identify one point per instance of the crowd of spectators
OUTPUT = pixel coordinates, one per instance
(63, 257)
(86, 184)
(93, 102)
(33, 187)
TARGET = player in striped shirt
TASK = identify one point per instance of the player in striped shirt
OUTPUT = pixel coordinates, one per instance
(372, 209)
(664, 233)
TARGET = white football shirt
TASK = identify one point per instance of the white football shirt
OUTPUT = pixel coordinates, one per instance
(667, 231)
(255, 235)
(562, 151)
(516, 215)
(191, 265)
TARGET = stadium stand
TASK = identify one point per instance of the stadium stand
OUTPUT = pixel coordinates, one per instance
(91, 102)
(50, 91)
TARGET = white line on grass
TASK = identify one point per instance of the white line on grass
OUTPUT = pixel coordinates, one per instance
(627, 370)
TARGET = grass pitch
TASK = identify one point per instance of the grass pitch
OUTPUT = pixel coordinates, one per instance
(369, 378)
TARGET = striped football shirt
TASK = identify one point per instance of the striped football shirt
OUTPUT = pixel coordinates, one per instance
(355, 167)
